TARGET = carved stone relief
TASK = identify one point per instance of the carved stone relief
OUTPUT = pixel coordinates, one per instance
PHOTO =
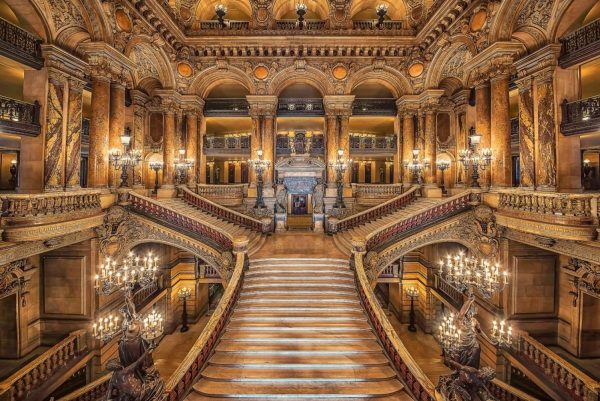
(546, 165)
(536, 12)
(587, 278)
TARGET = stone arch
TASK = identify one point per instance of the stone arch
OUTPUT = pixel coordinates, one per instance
(205, 10)
(501, 28)
(150, 61)
(31, 16)
(444, 63)
(396, 9)
(391, 78)
(309, 75)
(567, 16)
(208, 79)
(76, 22)
(318, 9)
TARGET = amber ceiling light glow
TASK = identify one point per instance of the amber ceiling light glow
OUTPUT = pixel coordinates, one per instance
(478, 20)
(416, 69)
(261, 72)
(185, 70)
(340, 72)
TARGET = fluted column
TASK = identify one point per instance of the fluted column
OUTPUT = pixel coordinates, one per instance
(545, 172)
(269, 145)
(99, 128)
(500, 131)
(255, 143)
(73, 141)
(430, 147)
(117, 122)
(169, 145)
(526, 133)
(408, 142)
(201, 156)
(340, 107)
(191, 144)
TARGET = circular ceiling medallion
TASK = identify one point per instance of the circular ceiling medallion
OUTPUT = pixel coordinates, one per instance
(185, 14)
(185, 70)
(416, 69)
(478, 20)
(123, 21)
(340, 72)
(261, 72)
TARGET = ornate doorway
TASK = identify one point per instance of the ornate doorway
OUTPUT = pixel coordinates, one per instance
(299, 204)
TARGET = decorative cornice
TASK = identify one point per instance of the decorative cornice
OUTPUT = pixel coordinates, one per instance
(338, 105)
(262, 105)
(546, 57)
(57, 59)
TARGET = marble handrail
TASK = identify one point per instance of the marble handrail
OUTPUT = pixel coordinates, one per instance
(416, 381)
(19, 209)
(158, 211)
(183, 378)
(377, 189)
(506, 392)
(576, 209)
(224, 213)
(93, 391)
(579, 385)
(438, 211)
(33, 375)
(226, 195)
(376, 212)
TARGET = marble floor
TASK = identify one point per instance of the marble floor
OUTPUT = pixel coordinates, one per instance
(299, 244)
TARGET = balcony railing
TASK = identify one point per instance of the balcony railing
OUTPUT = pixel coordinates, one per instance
(372, 144)
(226, 195)
(374, 107)
(217, 107)
(229, 24)
(580, 116)
(372, 24)
(20, 45)
(18, 117)
(226, 145)
(317, 145)
(300, 107)
(309, 25)
(581, 45)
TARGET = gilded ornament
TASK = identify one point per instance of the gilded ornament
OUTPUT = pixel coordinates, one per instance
(261, 72)
(416, 70)
(340, 72)
(185, 70)
(124, 22)
(478, 20)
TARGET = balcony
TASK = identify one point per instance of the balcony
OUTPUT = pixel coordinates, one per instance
(291, 24)
(581, 45)
(18, 117)
(226, 107)
(580, 116)
(374, 107)
(372, 25)
(227, 145)
(317, 145)
(308, 107)
(229, 25)
(20, 45)
(371, 145)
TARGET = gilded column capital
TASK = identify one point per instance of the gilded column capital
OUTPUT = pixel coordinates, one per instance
(524, 83)
(338, 105)
(192, 105)
(56, 59)
(262, 105)
(139, 98)
(76, 84)
(113, 62)
(544, 58)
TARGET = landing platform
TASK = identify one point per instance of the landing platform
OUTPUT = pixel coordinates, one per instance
(299, 245)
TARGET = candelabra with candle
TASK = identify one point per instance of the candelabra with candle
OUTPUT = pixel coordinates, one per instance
(182, 166)
(152, 326)
(443, 165)
(126, 159)
(416, 166)
(449, 335)
(340, 165)
(475, 158)
(106, 328)
(183, 294)
(301, 9)
(381, 10)
(259, 165)
(413, 294)
(501, 334)
(156, 166)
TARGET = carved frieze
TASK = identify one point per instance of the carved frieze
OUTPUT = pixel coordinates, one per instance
(535, 12)
(587, 278)
(12, 278)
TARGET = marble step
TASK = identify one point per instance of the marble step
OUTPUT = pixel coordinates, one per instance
(402, 396)
(298, 272)
(292, 280)
(291, 390)
(299, 286)
(302, 320)
(298, 374)
(301, 360)
(309, 335)
(301, 314)
(299, 347)
(297, 301)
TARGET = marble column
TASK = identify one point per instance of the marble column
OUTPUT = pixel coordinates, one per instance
(344, 142)
(500, 132)
(99, 128)
(483, 125)
(526, 133)
(191, 145)
(408, 143)
(73, 142)
(201, 156)
(255, 144)
(545, 172)
(332, 146)
(169, 148)
(399, 154)
(139, 129)
(268, 146)
(117, 123)
(54, 159)
(430, 147)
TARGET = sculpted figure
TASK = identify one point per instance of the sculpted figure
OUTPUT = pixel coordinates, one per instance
(280, 198)
(318, 194)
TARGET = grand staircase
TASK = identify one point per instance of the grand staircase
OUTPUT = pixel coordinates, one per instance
(298, 332)
(343, 239)
(256, 239)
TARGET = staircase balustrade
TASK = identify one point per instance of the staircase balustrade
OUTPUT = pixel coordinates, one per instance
(390, 232)
(180, 382)
(454, 296)
(373, 192)
(226, 195)
(155, 210)
(36, 373)
(375, 212)
(225, 213)
(410, 372)
(505, 392)
(572, 380)
(93, 391)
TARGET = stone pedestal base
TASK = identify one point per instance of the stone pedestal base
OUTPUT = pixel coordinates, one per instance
(318, 223)
(166, 192)
(280, 222)
(432, 192)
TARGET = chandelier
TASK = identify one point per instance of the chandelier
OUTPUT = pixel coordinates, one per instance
(449, 335)
(152, 326)
(501, 334)
(466, 273)
(475, 158)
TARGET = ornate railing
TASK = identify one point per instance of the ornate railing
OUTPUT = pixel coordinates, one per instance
(505, 392)
(390, 271)
(374, 107)
(18, 117)
(227, 142)
(229, 24)
(317, 145)
(446, 290)
(36, 373)
(373, 194)
(409, 371)
(93, 391)
(570, 379)
(580, 116)
(372, 143)
(226, 195)
(181, 381)
(163, 214)
(18, 44)
(28, 209)
(143, 295)
(300, 106)
(580, 45)
(391, 232)
(224, 213)
(376, 212)
(217, 107)
(372, 24)
(514, 131)
(309, 25)
(208, 271)
(572, 209)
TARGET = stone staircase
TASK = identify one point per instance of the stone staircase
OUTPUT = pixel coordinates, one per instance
(256, 239)
(343, 239)
(298, 332)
